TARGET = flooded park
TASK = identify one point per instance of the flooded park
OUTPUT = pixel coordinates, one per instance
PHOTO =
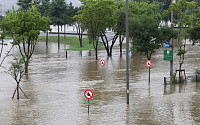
(55, 87)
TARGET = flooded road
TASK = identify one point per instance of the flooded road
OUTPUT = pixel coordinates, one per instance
(56, 86)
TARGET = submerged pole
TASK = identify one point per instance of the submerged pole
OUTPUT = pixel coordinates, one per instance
(172, 26)
(127, 56)
(88, 106)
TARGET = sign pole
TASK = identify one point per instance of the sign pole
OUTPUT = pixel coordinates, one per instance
(148, 63)
(127, 56)
(149, 75)
(88, 106)
(88, 95)
(102, 63)
(102, 72)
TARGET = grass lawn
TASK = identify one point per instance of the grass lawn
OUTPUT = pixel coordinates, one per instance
(72, 41)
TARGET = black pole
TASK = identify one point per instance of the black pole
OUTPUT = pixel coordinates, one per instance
(165, 81)
(88, 106)
(127, 56)
(66, 54)
(149, 75)
(58, 38)
(172, 43)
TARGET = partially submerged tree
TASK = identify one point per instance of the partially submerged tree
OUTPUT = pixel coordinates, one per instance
(17, 71)
(120, 27)
(96, 16)
(44, 8)
(184, 18)
(58, 15)
(146, 33)
(24, 27)
(2, 43)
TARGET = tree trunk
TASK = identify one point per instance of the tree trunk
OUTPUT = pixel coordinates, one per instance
(180, 65)
(106, 47)
(58, 37)
(18, 90)
(90, 41)
(80, 37)
(26, 66)
(96, 53)
(64, 31)
(120, 44)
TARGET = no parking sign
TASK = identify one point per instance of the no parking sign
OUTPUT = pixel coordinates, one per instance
(88, 94)
(148, 63)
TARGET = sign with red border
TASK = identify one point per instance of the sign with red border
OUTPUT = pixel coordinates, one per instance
(148, 63)
(102, 62)
(88, 94)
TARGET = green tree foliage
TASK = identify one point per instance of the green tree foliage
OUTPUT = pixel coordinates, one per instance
(185, 18)
(44, 7)
(24, 26)
(144, 28)
(1, 17)
(26, 4)
(96, 16)
(120, 27)
(195, 29)
(58, 15)
(17, 71)
(71, 12)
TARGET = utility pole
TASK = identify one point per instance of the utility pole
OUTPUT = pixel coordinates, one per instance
(172, 44)
(127, 56)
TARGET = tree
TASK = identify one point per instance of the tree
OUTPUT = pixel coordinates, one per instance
(184, 12)
(145, 32)
(96, 16)
(58, 9)
(194, 31)
(24, 26)
(44, 9)
(2, 37)
(120, 27)
(17, 72)
(26, 4)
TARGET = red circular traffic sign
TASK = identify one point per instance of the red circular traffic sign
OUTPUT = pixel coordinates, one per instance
(148, 63)
(88, 94)
(102, 63)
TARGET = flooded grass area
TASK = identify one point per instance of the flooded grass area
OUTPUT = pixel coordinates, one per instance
(56, 86)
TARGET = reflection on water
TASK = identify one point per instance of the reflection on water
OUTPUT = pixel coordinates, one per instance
(56, 86)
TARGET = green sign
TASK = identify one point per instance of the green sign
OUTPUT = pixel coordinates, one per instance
(168, 55)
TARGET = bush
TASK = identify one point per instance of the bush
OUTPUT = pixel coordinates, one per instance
(197, 72)
(173, 78)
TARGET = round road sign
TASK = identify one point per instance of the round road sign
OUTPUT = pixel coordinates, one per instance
(166, 45)
(102, 63)
(148, 63)
(88, 94)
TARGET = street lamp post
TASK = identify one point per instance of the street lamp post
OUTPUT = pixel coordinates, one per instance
(172, 25)
(127, 56)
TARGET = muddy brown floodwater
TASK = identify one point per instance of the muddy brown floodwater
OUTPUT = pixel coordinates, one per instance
(56, 86)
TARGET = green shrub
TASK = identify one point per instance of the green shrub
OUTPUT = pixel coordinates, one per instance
(173, 78)
(197, 72)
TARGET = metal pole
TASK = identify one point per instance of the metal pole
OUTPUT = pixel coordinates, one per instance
(127, 57)
(172, 25)
(102, 72)
(149, 75)
(88, 106)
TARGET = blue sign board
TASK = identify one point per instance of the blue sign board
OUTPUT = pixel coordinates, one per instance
(166, 45)
(130, 53)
